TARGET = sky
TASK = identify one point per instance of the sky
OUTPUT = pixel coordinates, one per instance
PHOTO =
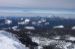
(32, 6)
(68, 4)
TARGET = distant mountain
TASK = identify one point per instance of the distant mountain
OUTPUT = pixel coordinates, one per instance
(38, 22)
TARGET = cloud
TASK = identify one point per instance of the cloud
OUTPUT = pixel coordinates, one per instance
(37, 4)
(69, 4)
(35, 12)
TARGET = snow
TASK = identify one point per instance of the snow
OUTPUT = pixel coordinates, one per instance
(15, 27)
(73, 27)
(22, 23)
(72, 38)
(8, 41)
(8, 21)
(59, 43)
(57, 37)
(30, 27)
(27, 21)
(39, 21)
(21, 18)
(41, 41)
(43, 20)
(59, 26)
(47, 23)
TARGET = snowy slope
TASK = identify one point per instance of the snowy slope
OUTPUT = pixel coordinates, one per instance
(59, 44)
(7, 41)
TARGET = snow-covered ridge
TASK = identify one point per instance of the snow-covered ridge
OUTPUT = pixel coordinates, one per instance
(9, 41)
(60, 26)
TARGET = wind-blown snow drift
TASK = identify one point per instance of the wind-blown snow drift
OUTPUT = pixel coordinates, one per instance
(9, 41)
